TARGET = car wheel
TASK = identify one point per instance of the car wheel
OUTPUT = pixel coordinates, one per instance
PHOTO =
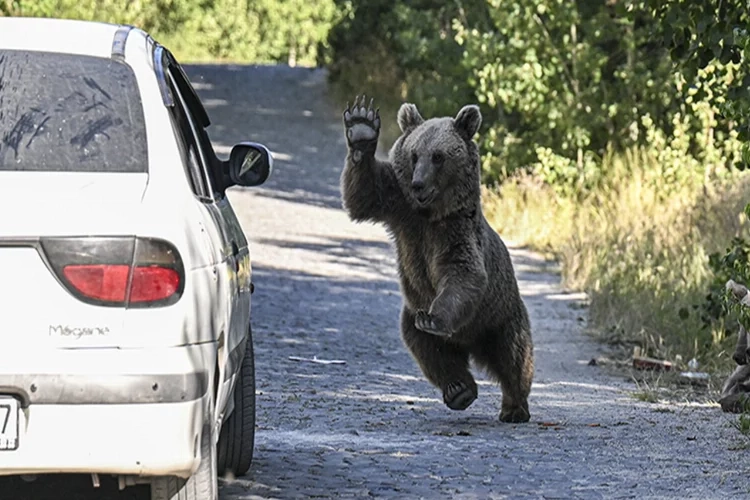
(202, 485)
(237, 438)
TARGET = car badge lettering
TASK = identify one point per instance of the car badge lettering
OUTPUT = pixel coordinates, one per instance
(77, 331)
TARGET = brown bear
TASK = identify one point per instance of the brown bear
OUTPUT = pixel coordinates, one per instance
(460, 294)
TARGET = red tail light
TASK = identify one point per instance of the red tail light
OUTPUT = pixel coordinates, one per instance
(120, 272)
(153, 284)
(108, 283)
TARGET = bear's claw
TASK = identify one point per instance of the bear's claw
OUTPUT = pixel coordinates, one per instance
(459, 396)
(362, 124)
(427, 323)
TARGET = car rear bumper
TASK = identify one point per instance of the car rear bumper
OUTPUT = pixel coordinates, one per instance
(118, 411)
(105, 388)
(129, 439)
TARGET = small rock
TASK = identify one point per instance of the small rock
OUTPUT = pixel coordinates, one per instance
(695, 378)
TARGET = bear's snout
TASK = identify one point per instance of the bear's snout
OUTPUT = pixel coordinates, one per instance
(419, 188)
(422, 184)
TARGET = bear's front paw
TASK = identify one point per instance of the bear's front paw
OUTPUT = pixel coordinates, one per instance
(427, 323)
(362, 125)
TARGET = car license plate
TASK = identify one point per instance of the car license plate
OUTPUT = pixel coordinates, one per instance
(8, 423)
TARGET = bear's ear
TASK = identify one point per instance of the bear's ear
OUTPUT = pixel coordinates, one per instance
(468, 120)
(409, 117)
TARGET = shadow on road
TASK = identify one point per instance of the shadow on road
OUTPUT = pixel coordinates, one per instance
(373, 426)
(68, 487)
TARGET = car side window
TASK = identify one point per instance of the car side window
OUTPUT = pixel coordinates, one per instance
(189, 150)
(207, 158)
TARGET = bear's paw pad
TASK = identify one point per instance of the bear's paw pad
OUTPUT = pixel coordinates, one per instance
(459, 396)
(362, 123)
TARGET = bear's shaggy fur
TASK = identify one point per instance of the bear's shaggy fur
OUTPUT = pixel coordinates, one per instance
(460, 295)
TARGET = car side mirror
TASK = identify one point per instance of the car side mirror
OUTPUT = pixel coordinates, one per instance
(250, 164)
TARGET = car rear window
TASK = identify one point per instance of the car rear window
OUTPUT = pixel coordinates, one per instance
(70, 113)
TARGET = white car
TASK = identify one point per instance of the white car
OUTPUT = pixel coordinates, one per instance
(125, 277)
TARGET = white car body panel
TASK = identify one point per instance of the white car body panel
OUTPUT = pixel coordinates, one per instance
(194, 336)
(47, 449)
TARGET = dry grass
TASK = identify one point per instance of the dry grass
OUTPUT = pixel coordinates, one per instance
(637, 245)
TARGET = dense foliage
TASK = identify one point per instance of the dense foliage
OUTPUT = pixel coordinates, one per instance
(396, 50)
(288, 31)
(560, 83)
(699, 34)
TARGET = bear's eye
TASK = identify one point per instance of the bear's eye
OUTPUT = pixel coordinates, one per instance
(438, 157)
(414, 158)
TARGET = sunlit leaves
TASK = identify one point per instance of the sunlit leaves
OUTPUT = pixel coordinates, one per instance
(242, 30)
(568, 79)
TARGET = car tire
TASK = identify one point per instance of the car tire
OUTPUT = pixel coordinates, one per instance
(237, 438)
(202, 485)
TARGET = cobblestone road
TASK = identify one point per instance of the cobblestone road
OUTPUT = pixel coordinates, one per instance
(373, 427)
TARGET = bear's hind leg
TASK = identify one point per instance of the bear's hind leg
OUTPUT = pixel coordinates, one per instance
(515, 406)
(513, 366)
(444, 364)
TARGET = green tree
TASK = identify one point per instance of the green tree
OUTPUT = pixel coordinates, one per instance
(398, 50)
(151, 15)
(701, 35)
(711, 31)
(565, 79)
(242, 30)
(294, 30)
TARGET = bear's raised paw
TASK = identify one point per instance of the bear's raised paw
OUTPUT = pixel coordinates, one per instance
(362, 125)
